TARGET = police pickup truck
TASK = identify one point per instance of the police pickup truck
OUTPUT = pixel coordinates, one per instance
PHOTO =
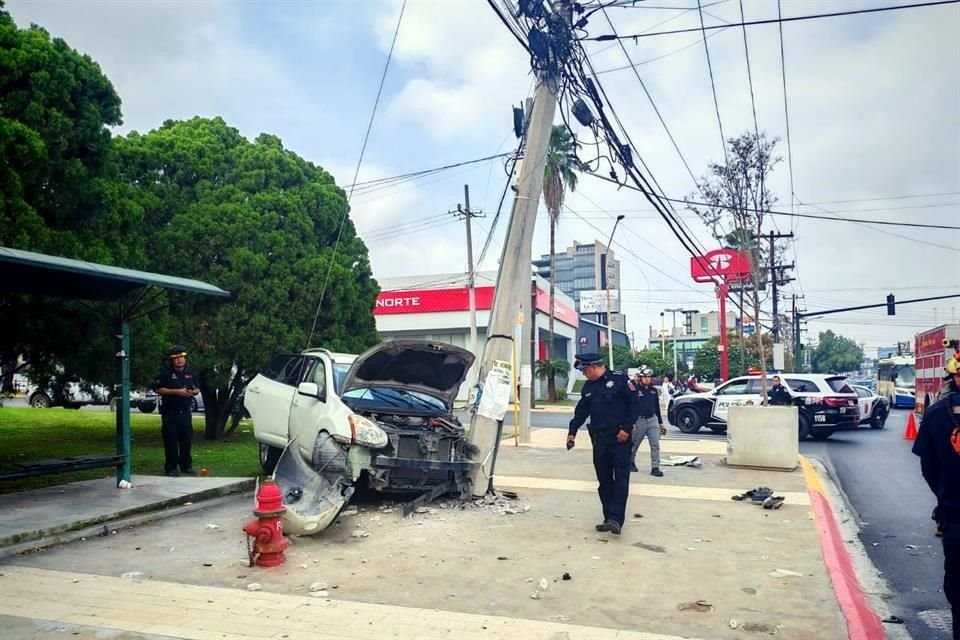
(825, 403)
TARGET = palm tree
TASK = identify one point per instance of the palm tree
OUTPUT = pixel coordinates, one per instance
(559, 175)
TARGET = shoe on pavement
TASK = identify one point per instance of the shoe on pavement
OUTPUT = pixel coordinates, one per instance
(656, 472)
(633, 467)
(614, 527)
(190, 472)
(604, 526)
(174, 473)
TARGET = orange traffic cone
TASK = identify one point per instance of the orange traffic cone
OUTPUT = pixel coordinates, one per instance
(911, 432)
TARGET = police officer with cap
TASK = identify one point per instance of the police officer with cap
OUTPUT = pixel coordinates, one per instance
(938, 447)
(650, 424)
(610, 401)
(176, 384)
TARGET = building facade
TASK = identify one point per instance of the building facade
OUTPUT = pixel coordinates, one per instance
(436, 307)
(694, 331)
(581, 268)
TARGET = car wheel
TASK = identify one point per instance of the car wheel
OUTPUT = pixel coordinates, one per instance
(803, 430)
(688, 420)
(146, 407)
(821, 435)
(269, 456)
(879, 420)
(40, 400)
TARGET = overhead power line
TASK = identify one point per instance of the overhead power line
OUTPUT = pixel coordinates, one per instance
(356, 173)
(779, 20)
(425, 172)
(831, 217)
(713, 84)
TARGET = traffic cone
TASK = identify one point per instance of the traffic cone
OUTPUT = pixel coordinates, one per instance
(911, 432)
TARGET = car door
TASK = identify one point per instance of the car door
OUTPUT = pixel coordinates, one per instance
(733, 394)
(310, 413)
(865, 399)
(268, 398)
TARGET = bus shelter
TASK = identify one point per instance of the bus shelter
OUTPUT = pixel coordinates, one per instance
(128, 294)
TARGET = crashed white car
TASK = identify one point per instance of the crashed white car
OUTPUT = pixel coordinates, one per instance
(324, 419)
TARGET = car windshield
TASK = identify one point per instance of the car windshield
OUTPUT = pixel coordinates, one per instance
(395, 398)
(906, 375)
(839, 385)
(339, 373)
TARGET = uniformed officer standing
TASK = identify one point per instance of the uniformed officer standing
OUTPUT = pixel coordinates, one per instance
(650, 423)
(778, 394)
(938, 446)
(177, 385)
(610, 401)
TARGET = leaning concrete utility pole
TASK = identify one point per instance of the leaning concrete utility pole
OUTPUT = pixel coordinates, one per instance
(515, 265)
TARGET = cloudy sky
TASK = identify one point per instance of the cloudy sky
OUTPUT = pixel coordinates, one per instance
(874, 109)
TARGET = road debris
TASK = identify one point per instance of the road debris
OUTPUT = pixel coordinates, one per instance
(649, 547)
(567, 576)
(700, 606)
(133, 575)
(318, 586)
(254, 586)
(212, 527)
(543, 585)
(784, 573)
(681, 461)
(359, 533)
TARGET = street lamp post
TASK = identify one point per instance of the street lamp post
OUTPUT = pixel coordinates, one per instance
(606, 269)
(673, 334)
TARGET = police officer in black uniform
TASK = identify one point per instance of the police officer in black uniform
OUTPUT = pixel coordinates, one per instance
(778, 394)
(938, 446)
(610, 401)
(176, 384)
(650, 423)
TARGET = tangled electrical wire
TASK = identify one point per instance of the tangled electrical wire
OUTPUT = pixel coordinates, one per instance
(557, 54)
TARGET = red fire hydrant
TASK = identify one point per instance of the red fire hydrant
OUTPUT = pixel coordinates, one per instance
(268, 542)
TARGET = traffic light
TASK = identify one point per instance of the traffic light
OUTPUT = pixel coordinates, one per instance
(891, 305)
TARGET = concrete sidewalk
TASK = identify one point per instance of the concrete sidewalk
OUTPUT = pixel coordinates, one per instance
(691, 563)
(60, 513)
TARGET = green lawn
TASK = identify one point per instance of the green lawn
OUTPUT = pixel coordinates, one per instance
(28, 434)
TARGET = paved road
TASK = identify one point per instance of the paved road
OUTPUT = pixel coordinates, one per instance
(882, 481)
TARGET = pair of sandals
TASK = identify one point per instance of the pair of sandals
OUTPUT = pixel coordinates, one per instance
(763, 495)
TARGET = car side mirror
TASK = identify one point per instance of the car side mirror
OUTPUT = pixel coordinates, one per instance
(310, 389)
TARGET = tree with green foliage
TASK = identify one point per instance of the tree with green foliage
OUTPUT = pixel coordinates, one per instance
(623, 356)
(835, 354)
(559, 176)
(743, 355)
(735, 200)
(550, 370)
(261, 222)
(57, 195)
(661, 361)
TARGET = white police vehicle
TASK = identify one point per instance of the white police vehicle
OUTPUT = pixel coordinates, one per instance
(874, 409)
(825, 403)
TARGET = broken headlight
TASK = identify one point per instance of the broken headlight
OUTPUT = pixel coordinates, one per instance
(366, 433)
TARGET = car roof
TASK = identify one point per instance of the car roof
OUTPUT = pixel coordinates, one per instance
(799, 376)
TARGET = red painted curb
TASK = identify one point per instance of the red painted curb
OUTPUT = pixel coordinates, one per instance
(862, 622)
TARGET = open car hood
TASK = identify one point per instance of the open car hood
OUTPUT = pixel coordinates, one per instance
(428, 367)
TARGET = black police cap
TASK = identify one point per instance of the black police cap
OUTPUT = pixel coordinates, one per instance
(176, 350)
(585, 359)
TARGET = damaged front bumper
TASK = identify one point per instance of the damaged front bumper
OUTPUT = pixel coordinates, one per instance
(313, 499)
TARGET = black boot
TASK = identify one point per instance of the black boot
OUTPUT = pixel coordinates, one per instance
(656, 472)
(633, 467)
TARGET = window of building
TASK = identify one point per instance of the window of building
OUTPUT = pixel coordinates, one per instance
(703, 324)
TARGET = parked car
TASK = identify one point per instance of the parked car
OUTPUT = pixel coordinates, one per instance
(324, 419)
(72, 394)
(874, 409)
(149, 401)
(825, 404)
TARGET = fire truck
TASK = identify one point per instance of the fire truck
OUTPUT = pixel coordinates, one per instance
(933, 349)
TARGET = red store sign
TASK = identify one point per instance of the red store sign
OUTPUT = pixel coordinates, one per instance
(457, 299)
(431, 300)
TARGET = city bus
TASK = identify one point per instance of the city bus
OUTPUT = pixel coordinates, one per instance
(896, 380)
